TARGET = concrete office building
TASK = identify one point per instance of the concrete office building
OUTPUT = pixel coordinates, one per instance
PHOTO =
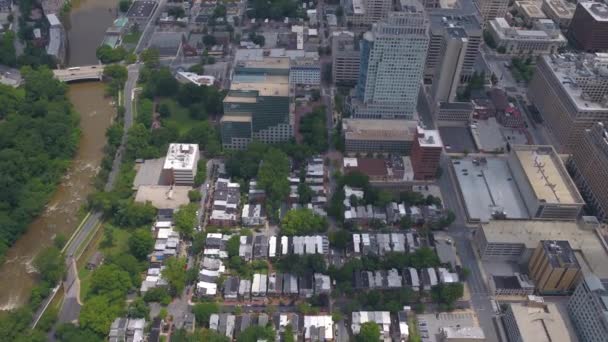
(589, 164)
(535, 320)
(392, 63)
(181, 164)
(258, 104)
(560, 11)
(530, 11)
(454, 112)
(588, 309)
(544, 184)
(491, 9)
(305, 71)
(570, 91)
(516, 240)
(366, 12)
(447, 76)
(442, 20)
(545, 37)
(385, 136)
(426, 152)
(589, 26)
(346, 58)
(554, 267)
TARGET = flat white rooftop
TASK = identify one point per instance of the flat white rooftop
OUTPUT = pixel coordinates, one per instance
(488, 187)
(181, 157)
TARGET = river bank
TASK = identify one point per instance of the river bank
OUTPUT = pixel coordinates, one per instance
(61, 213)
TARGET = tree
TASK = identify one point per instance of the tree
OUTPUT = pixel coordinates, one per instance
(340, 239)
(138, 309)
(305, 193)
(177, 12)
(232, 246)
(194, 196)
(164, 110)
(117, 75)
(198, 242)
(141, 243)
(256, 333)
(7, 49)
(370, 332)
(175, 274)
(111, 282)
(186, 219)
(272, 177)
(203, 311)
(107, 54)
(201, 172)
(50, 264)
(134, 214)
(302, 222)
(150, 57)
(68, 332)
(123, 5)
(60, 240)
(209, 40)
(98, 313)
(313, 127)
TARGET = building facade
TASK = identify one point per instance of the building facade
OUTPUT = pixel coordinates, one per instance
(454, 112)
(544, 38)
(447, 77)
(259, 104)
(378, 136)
(554, 267)
(589, 26)
(305, 71)
(560, 11)
(365, 12)
(442, 20)
(588, 309)
(589, 164)
(346, 58)
(426, 153)
(392, 63)
(535, 320)
(491, 9)
(180, 165)
(569, 91)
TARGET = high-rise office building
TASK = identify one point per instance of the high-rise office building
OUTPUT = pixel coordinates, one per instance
(588, 309)
(490, 9)
(453, 54)
(258, 104)
(346, 58)
(392, 63)
(442, 20)
(366, 12)
(554, 268)
(589, 26)
(589, 164)
(571, 93)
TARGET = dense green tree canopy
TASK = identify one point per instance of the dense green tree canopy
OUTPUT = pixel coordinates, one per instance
(185, 219)
(370, 332)
(203, 311)
(141, 243)
(302, 222)
(38, 136)
(98, 313)
(111, 281)
(175, 274)
(50, 264)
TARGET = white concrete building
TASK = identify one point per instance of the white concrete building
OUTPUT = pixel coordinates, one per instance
(181, 163)
(544, 38)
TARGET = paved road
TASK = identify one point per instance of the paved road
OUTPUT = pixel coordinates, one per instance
(150, 27)
(18, 43)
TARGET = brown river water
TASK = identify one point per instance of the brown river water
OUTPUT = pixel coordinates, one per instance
(88, 21)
